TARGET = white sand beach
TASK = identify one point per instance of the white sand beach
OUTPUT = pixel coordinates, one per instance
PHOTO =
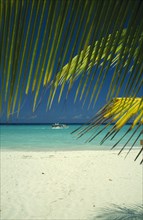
(71, 185)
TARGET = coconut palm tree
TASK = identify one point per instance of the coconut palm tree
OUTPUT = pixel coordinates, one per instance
(52, 43)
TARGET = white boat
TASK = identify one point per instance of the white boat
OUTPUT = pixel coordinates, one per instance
(59, 126)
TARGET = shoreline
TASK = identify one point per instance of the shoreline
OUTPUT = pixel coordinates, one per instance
(71, 185)
(117, 149)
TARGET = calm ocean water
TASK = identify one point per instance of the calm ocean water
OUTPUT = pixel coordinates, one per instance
(43, 137)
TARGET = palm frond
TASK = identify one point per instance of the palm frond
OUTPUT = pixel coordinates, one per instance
(80, 39)
(53, 43)
(118, 112)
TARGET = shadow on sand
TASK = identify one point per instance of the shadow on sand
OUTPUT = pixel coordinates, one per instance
(133, 212)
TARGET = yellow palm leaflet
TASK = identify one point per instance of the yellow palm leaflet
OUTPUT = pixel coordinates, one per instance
(122, 109)
(118, 106)
(138, 118)
(125, 118)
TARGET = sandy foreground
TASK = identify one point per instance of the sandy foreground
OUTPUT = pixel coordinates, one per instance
(67, 185)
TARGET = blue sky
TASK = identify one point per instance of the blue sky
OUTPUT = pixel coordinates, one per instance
(66, 111)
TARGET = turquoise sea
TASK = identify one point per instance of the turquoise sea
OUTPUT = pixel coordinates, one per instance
(43, 137)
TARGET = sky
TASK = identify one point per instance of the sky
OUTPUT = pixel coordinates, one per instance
(66, 111)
